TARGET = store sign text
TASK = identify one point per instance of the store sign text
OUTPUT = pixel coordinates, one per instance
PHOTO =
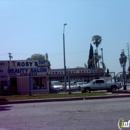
(19, 64)
(30, 64)
(27, 70)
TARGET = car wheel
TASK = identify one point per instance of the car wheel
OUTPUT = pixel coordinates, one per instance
(108, 90)
(79, 88)
(87, 90)
(113, 88)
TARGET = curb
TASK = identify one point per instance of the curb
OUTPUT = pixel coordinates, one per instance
(63, 99)
(121, 91)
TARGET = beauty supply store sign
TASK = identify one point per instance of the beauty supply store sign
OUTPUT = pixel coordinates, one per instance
(26, 68)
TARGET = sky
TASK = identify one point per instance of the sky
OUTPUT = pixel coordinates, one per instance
(36, 27)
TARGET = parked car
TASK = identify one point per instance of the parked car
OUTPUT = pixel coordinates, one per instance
(80, 84)
(56, 86)
(72, 85)
(100, 84)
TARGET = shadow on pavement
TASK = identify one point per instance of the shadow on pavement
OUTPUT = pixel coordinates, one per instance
(3, 101)
(5, 108)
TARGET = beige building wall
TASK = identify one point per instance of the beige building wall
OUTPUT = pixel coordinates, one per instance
(23, 84)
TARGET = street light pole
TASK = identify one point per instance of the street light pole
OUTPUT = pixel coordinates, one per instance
(64, 55)
(128, 58)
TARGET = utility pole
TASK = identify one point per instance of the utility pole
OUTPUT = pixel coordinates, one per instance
(10, 57)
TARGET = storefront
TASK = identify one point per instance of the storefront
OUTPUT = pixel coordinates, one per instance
(23, 76)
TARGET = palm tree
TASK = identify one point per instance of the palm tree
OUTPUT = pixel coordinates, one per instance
(97, 41)
(97, 58)
(93, 61)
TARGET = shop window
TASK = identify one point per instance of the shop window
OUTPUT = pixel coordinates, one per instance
(39, 83)
(35, 83)
(43, 83)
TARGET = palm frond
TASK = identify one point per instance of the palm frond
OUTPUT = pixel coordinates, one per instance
(97, 40)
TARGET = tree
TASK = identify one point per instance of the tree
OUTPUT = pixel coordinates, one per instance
(36, 57)
(97, 41)
(123, 60)
(107, 73)
(90, 59)
(97, 58)
(94, 58)
(91, 52)
(40, 57)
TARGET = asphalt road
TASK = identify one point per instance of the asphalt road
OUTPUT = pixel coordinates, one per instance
(73, 115)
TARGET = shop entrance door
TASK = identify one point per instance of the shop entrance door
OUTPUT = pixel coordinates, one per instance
(13, 85)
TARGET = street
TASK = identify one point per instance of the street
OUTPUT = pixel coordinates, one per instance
(71, 115)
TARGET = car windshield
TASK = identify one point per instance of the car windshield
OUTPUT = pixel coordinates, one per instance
(90, 82)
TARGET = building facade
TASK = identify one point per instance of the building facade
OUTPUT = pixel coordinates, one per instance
(24, 76)
(75, 74)
(34, 76)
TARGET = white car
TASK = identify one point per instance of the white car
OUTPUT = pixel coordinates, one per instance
(56, 85)
(80, 84)
(72, 85)
(100, 84)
